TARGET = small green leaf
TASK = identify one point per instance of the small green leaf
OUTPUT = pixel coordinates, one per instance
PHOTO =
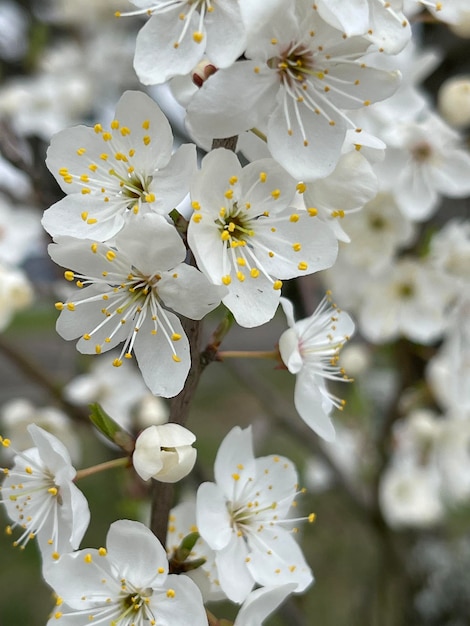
(111, 429)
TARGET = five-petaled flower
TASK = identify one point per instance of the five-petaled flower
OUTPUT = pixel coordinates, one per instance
(246, 235)
(243, 518)
(111, 175)
(125, 293)
(126, 584)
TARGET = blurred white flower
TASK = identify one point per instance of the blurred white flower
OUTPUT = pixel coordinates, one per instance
(376, 234)
(453, 100)
(410, 496)
(164, 452)
(120, 391)
(18, 414)
(16, 293)
(20, 232)
(407, 299)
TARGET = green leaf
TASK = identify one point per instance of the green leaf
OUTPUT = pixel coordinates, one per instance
(111, 429)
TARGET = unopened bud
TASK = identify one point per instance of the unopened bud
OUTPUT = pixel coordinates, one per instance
(202, 72)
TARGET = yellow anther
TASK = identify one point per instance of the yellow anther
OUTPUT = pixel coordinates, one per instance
(63, 171)
(59, 306)
(229, 194)
(110, 255)
(175, 337)
(86, 190)
(312, 211)
(87, 558)
(146, 139)
(312, 517)
(170, 593)
(236, 476)
(301, 187)
(276, 193)
(69, 275)
(302, 266)
(277, 284)
(226, 280)
(98, 349)
(176, 358)
(70, 306)
(94, 248)
(150, 197)
(197, 217)
(68, 178)
(81, 151)
(102, 552)
(241, 276)
(91, 220)
(263, 176)
(232, 180)
(104, 156)
(294, 217)
(241, 261)
(28, 470)
(198, 36)
(225, 235)
(125, 131)
(107, 136)
(84, 178)
(254, 272)
(146, 124)
(98, 128)
(86, 337)
(297, 247)
(114, 124)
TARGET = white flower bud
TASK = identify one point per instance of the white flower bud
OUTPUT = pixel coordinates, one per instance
(164, 452)
(454, 101)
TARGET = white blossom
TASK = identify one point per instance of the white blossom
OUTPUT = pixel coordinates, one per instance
(246, 234)
(180, 32)
(299, 78)
(40, 497)
(126, 583)
(125, 294)
(112, 175)
(242, 516)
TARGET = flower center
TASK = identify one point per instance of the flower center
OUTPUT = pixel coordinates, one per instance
(294, 65)
(421, 152)
(134, 188)
(135, 606)
(235, 227)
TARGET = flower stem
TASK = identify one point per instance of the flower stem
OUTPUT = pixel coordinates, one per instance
(247, 354)
(101, 467)
(259, 134)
